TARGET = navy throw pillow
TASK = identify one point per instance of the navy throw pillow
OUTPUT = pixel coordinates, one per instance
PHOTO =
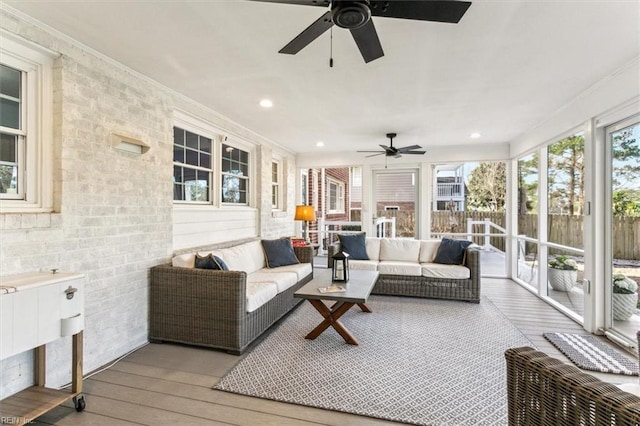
(210, 262)
(451, 252)
(354, 245)
(279, 252)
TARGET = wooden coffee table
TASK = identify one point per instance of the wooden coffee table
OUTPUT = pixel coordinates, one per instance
(358, 289)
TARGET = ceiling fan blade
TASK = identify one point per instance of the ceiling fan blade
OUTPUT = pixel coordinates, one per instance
(323, 3)
(385, 147)
(374, 155)
(414, 152)
(371, 151)
(409, 148)
(312, 32)
(368, 42)
(423, 10)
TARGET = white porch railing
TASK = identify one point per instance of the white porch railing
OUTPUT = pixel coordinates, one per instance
(487, 234)
(328, 229)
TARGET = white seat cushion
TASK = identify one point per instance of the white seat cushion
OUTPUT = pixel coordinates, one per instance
(259, 293)
(428, 250)
(301, 269)
(399, 249)
(363, 265)
(437, 270)
(392, 267)
(282, 280)
(248, 257)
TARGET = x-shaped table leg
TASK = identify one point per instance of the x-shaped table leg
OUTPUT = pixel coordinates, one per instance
(331, 318)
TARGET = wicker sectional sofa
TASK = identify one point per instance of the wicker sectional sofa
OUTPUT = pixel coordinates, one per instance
(542, 390)
(407, 269)
(223, 309)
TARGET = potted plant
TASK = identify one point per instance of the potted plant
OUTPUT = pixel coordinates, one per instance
(562, 273)
(624, 297)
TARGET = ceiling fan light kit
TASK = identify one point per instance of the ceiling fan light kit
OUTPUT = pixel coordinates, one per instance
(356, 16)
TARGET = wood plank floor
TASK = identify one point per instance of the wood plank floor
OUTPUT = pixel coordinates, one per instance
(166, 384)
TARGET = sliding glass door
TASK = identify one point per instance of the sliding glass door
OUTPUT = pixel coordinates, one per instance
(623, 140)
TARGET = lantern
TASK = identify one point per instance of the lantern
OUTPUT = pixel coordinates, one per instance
(340, 267)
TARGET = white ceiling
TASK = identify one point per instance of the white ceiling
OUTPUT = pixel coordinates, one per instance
(505, 68)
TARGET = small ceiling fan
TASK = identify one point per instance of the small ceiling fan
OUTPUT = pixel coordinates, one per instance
(392, 151)
(355, 15)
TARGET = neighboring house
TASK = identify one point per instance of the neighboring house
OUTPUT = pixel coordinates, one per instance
(449, 188)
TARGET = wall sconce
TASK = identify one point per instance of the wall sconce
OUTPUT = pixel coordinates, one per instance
(340, 267)
(305, 214)
(125, 143)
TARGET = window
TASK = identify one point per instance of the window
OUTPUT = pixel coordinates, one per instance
(25, 126)
(235, 175)
(275, 185)
(191, 167)
(336, 196)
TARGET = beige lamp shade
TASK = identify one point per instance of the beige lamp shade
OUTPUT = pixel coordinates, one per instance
(305, 213)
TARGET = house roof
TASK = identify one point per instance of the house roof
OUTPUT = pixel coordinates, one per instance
(504, 69)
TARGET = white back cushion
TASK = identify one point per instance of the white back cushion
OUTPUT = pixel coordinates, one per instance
(248, 257)
(428, 250)
(373, 248)
(186, 260)
(399, 249)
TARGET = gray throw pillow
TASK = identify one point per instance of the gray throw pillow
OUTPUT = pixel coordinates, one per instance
(354, 245)
(279, 252)
(451, 252)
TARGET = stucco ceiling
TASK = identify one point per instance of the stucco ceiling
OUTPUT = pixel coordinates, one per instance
(504, 69)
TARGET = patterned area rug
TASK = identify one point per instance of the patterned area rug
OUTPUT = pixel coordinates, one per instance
(589, 353)
(419, 361)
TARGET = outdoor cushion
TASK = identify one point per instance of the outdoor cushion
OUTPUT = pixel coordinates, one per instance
(451, 252)
(363, 265)
(247, 257)
(391, 267)
(282, 280)
(259, 293)
(354, 245)
(438, 270)
(210, 261)
(428, 250)
(373, 247)
(279, 252)
(404, 250)
(186, 260)
(300, 269)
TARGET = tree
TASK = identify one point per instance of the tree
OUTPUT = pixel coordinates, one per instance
(566, 175)
(487, 187)
(528, 184)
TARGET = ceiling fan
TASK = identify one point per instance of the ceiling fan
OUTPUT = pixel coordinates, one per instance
(355, 15)
(392, 151)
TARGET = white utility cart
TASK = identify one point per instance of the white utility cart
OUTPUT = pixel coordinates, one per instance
(35, 309)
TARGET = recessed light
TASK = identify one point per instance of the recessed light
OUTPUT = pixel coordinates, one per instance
(266, 103)
(319, 143)
(475, 135)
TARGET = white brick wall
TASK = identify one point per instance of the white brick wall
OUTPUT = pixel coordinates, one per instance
(114, 210)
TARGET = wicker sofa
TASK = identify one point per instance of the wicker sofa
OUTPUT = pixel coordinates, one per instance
(542, 391)
(223, 309)
(407, 269)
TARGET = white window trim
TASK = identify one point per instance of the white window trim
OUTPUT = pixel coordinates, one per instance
(340, 201)
(251, 179)
(36, 63)
(278, 185)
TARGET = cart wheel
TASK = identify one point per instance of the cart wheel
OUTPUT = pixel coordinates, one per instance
(79, 402)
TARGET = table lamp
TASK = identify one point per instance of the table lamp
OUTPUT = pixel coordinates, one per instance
(305, 214)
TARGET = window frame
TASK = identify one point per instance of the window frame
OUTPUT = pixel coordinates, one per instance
(35, 147)
(196, 167)
(233, 143)
(340, 196)
(276, 186)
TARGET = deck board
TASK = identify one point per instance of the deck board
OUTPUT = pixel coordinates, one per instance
(167, 384)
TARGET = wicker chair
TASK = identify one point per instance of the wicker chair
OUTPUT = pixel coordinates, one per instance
(542, 390)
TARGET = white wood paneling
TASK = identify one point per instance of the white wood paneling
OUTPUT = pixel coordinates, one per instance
(195, 227)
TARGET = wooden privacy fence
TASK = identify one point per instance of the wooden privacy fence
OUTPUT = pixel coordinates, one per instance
(566, 230)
